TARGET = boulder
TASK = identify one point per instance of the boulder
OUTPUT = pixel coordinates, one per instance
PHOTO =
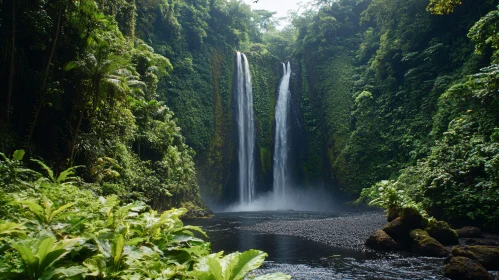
(442, 232)
(480, 241)
(425, 245)
(488, 256)
(379, 240)
(461, 268)
(400, 227)
(392, 214)
(468, 232)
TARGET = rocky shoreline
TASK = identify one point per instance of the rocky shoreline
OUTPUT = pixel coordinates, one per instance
(465, 249)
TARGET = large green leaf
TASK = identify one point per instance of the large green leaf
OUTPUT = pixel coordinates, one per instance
(68, 272)
(18, 155)
(67, 174)
(117, 249)
(50, 173)
(29, 259)
(96, 265)
(7, 228)
(33, 206)
(61, 209)
(244, 263)
(273, 276)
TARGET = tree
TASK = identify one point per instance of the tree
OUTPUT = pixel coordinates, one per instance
(441, 7)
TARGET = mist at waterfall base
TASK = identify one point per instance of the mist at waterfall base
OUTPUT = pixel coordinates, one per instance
(295, 199)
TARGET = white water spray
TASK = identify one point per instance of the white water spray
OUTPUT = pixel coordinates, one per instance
(281, 148)
(246, 131)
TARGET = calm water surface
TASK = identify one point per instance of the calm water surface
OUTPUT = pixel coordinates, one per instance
(305, 259)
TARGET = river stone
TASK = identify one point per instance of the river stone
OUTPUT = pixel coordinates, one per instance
(442, 232)
(425, 245)
(379, 240)
(488, 256)
(469, 232)
(461, 268)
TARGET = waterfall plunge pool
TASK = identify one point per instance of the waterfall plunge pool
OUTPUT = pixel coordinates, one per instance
(314, 245)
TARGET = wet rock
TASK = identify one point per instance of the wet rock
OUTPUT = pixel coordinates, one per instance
(442, 232)
(469, 232)
(400, 227)
(480, 241)
(379, 240)
(462, 268)
(488, 256)
(425, 245)
(392, 214)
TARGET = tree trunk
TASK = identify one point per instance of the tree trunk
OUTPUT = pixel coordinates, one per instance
(12, 61)
(75, 135)
(43, 90)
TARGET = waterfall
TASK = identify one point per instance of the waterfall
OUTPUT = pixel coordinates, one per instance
(281, 134)
(246, 131)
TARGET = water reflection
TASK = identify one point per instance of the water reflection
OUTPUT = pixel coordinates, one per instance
(305, 259)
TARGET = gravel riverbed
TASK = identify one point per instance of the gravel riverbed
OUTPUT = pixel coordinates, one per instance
(347, 231)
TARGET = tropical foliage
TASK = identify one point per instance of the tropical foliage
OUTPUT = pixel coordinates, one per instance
(57, 229)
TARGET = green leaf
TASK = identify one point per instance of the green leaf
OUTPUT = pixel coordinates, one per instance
(11, 228)
(29, 259)
(33, 206)
(71, 65)
(96, 265)
(50, 173)
(18, 155)
(117, 249)
(274, 276)
(72, 271)
(245, 262)
(198, 229)
(60, 210)
(202, 275)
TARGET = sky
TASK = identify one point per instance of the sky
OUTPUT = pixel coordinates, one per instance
(279, 6)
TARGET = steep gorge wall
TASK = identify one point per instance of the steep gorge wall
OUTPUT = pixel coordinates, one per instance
(201, 93)
(370, 78)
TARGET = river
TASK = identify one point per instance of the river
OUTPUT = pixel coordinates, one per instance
(312, 245)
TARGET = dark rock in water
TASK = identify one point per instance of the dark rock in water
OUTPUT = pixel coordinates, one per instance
(461, 268)
(379, 240)
(442, 232)
(425, 245)
(469, 232)
(488, 256)
(400, 227)
(480, 241)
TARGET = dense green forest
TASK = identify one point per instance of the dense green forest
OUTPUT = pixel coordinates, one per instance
(131, 101)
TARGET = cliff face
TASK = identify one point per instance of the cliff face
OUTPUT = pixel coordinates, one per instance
(366, 80)
(203, 100)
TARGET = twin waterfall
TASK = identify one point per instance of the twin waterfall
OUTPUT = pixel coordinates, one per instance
(246, 132)
(281, 134)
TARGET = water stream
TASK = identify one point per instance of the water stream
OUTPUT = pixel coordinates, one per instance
(281, 148)
(246, 131)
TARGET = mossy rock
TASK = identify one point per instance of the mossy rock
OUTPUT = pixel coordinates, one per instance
(488, 256)
(425, 245)
(400, 227)
(381, 241)
(392, 214)
(469, 232)
(442, 232)
(462, 268)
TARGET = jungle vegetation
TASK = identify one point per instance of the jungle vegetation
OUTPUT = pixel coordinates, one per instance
(125, 108)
